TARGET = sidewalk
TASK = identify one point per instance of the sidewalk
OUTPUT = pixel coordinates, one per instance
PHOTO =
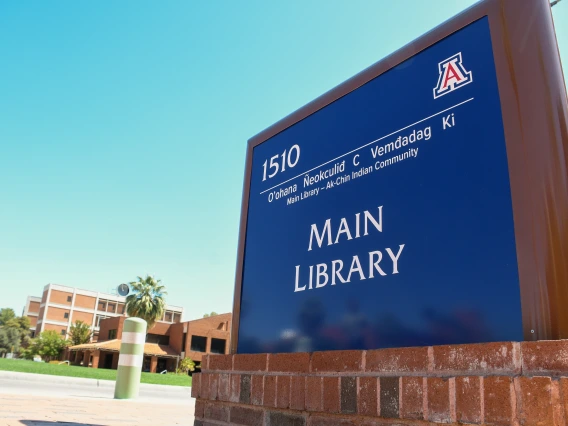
(42, 400)
(21, 410)
(79, 381)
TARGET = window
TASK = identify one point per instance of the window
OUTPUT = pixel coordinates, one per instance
(112, 334)
(63, 332)
(102, 305)
(121, 309)
(66, 315)
(168, 317)
(218, 346)
(69, 298)
(198, 343)
(111, 308)
(158, 338)
(177, 317)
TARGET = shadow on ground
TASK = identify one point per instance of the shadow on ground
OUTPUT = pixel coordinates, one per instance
(46, 423)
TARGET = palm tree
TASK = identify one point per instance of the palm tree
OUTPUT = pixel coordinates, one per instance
(146, 300)
(80, 333)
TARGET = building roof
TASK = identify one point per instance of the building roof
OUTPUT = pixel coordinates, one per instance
(152, 349)
(103, 295)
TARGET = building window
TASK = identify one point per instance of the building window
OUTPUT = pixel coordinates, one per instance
(66, 315)
(158, 339)
(218, 346)
(63, 332)
(102, 306)
(184, 342)
(69, 298)
(168, 317)
(112, 334)
(111, 308)
(121, 309)
(177, 317)
(198, 343)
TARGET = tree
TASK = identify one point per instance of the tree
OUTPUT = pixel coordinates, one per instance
(9, 340)
(15, 326)
(186, 365)
(48, 344)
(80, 333)
(147, 300)
(212, 314)
(6, 314)
(19, 323)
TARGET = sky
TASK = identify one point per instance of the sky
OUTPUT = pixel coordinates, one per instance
(123, 127)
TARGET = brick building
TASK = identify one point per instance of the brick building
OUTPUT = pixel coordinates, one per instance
(166, 343)
(61, 306)
(31, 310)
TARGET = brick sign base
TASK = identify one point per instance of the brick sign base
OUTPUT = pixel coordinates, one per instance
(493, 384)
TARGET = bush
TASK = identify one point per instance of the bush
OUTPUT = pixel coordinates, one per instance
(48, 345)
(186, 365)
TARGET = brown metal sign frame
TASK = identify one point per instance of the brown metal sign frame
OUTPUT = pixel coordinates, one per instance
(535, 118)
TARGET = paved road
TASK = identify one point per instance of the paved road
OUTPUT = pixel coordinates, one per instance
(38, 400)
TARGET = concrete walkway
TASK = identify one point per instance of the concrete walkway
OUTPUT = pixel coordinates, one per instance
(41, 400)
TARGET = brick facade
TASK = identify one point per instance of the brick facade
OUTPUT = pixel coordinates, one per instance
(57, 314)
(33, 307)
(492, 384)
(87, 302)
(61, 297)
(115, 323)
(86, 317)
(215, 327)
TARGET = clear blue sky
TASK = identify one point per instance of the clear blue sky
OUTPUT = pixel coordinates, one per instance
(123, 127)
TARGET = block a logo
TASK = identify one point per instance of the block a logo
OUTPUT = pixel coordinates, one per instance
(453, 75)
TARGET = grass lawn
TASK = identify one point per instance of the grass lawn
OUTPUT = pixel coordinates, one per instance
(25, 366)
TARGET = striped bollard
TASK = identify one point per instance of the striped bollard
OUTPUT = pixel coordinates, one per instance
(130, 359)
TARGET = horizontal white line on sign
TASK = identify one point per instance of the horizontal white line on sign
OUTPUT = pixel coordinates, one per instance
(134, 338)
(130, 360)
(370, 143)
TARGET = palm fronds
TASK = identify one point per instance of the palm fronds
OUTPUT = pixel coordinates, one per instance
(146, 300)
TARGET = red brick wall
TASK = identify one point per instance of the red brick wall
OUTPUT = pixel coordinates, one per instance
(218, 327)
(57, 314)
(87, 302)
(176, 337)
(54, 327)
(160, 328)
(44, 297)
(33, 321)
(113, 323)
(82, 316)
(491, 384)
(60, 297)
(33, 308)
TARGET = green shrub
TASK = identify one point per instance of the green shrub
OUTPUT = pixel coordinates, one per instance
(186, 365)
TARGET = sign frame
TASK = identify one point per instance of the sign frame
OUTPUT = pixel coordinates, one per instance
(534, 109)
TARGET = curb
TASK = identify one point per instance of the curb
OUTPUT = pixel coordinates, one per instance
(79, 381)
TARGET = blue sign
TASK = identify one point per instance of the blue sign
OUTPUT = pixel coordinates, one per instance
(385, 218)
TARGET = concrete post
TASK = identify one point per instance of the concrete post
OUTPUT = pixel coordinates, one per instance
(130, 359)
